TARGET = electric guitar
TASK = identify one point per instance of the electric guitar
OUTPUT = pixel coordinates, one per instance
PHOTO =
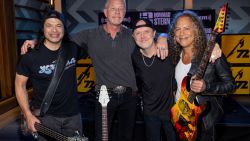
(49, 132)
(104, 100)
(185, 112)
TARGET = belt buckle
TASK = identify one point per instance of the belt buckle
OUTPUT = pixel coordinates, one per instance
(119, 89)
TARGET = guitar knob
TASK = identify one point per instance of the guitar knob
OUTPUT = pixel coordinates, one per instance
(77, 133)
(35, 135)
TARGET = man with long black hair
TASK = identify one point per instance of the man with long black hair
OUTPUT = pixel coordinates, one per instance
(39, 65)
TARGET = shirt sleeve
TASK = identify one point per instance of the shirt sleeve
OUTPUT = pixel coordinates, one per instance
(24, 66)
(225, 82)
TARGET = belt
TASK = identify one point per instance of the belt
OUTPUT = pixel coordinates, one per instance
(116, 90)
(120, 89)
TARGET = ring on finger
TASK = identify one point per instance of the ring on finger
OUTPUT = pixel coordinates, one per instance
(163, 48)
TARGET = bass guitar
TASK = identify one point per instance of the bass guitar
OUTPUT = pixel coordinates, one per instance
(185, 112)
(49, 132)
(104, 100)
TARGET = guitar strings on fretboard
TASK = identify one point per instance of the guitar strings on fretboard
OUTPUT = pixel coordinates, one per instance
(50, 132)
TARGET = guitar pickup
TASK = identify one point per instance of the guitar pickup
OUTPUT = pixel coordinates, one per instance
(182, 121)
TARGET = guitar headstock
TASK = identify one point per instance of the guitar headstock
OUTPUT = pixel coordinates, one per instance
(221, 21)
(103, 96)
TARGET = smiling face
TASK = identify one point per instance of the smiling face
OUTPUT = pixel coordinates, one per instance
(144, 36)
(53, 31)
(115, 12)
(185, 32)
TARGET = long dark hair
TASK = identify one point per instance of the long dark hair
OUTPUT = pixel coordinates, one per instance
(200, 41)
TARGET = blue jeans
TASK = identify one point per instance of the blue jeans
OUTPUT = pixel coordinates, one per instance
(66, 126)
(153, 125)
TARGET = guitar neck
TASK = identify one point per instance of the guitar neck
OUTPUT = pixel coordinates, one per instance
(104, 124)
(49, 132)
(203, 64)
(104, 99)
(206, 56)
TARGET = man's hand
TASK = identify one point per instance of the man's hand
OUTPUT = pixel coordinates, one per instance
(198, 86)
(216, 53)
(31, 120)
(162, 46)
(28, 44)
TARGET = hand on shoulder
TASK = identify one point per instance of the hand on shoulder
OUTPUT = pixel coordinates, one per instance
(28, 44)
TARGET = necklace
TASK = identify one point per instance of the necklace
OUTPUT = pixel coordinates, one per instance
(148, 65)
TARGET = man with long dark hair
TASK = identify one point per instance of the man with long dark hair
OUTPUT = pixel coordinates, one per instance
(38, 66)
(188, 41)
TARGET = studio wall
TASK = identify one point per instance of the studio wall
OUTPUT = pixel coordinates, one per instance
(83, 14)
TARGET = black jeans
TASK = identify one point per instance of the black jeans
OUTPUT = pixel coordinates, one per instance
(206, 134)
(66, 126)
(153, 125)
(124, 107)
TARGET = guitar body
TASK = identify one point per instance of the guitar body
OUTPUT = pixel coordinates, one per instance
(184, 114)
(24, 126)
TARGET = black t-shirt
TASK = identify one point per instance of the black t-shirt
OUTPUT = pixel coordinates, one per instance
(155, 82)
(111, 58)
(39, 66)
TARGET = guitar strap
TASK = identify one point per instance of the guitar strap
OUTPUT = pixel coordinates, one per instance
(58, 72)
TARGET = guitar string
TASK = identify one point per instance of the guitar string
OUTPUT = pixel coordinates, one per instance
(104, 124)
(51, 133)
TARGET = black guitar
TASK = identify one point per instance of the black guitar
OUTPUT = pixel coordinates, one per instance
(49, 132)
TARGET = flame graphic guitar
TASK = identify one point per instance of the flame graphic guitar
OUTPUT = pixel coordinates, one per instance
(185, 113)
(104, 100)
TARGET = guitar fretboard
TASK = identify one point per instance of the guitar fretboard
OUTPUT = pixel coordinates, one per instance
(104, 124)
(203, 64)
(47, 131)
